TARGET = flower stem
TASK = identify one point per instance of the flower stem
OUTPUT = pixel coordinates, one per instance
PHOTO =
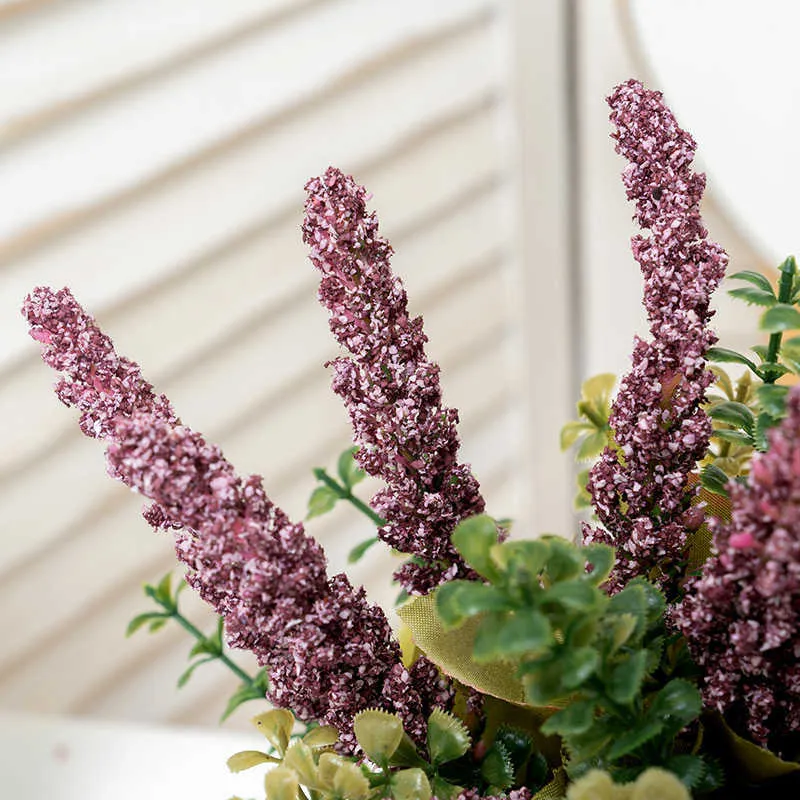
(345, 494)
(787, 270)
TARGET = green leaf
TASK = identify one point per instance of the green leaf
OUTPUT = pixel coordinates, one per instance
(321, 736)
(276, 725)
(736, 437)
(522, 560)
(202, 646)
(655, 602)
(163, 592)
(350, 782)
(448, 737)
(242, 695)
(142, 619)
(322, 500)
(781, 317)
(522, 633)
(564, 561)
(676, 705)
(410, 784)
(714, 480)
(246, 759)
(281, 783)
(689, 768)
(756, 278)
(187, 673)
(300, 759)
(578, 665)
(158, 624)
(458, 600)
(349, 471)
(576, 595)
(733, 413)
(771, 372)
(497, 768)
(574, 719)
(357, 553)
(379, 734)
(474, 539)
(517, 743)
(622, 626)
(724, 355)
(592, 446)
(572, 431)
(754, 296)
(772, 399)
(631, 600)
(601, 558)
(406, 755)
(625, 681)
(633, 739)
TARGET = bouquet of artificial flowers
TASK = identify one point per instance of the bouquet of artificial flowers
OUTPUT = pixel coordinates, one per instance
(658, 657)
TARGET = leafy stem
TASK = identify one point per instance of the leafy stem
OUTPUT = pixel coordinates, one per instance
(788, 270)
(344, 492)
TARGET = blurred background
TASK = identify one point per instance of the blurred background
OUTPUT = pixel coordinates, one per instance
(153, 159)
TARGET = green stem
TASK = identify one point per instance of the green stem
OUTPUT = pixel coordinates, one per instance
(346, 494)
(200, 636)
(788, 270)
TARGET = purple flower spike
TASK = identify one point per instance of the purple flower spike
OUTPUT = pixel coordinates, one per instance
(742, 616)
(405, 435)
(330, 653)
(640, 492)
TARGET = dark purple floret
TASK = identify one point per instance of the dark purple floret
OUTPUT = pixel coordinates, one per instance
(639, 491)
(405, 435)
(742, 616)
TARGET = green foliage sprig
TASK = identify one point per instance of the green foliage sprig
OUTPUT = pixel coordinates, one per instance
(206, 649)
(617, 678)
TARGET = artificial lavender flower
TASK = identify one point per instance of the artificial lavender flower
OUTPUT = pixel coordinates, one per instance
(639, 491)
(330, 653)
(741, 617)
(405, 435)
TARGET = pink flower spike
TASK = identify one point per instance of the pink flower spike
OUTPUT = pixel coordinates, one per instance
(742, 540)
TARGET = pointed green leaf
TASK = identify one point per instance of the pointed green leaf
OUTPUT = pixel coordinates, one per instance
(276, 725)
(601, 558)
(187, 673)
(300, 759)
(379, 734)
(631, 740)
(497, 769)
(724, 355)
(773, 399)
(756, 278)
(142, 619)
(577, 595)
(781, 317)
(676, 704)
(733, 413)
(348, 469)
(357, 553)
(158, 624)
(578, 665)
(575, 718)
(458, 600)
(625, 681)
(771, 372)
(753, 296)
(281, 783)
(714, 480)
(350, 782)
(247, 759)
(735, 437)
(572, 431)
(598, 388)
(522, 633)
(690, 769)
(448, 737)
(474, 538)
(322, 500)
(592, 446)
(321, 736)
(410, 784)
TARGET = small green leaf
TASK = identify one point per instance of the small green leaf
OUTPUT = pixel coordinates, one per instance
(448, 737)
(756, 278)
(276, 725)
(247, 759)
(598, 388)
(379, 734)
(158, 624)
(242, 695)
(321, 736)
(714, 480)
(350, 782)
(773, 399)
(578, 665)
(575, 718)
(577, 595)
(458, 600)
(357, 553)
(300, 759)
(631, 600)
(754, 296)
(771, 372)
(633, 739)
(676, 704)
(322, 500)
(522, 633)
(655, 602)
(781, 317)
(572, 431)
(601, 558)
(410, 784)
(187, 673)
(733, 413)
(625, 681)
(592, 446)
(735, 437)
(474, 538)
(724, 355)
(689, 768)
(142, 619)
(348, 469)
(517, 743)
(202, 646)
(497, 769)
(163, 591)
(622, 627)
(564, 561)
(281, 783)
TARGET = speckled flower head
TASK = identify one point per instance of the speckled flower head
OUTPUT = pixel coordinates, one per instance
(640, 491)
(330, 653)
(742, 616)
(405, 435)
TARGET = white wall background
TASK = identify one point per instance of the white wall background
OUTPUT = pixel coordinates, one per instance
(155, 161)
